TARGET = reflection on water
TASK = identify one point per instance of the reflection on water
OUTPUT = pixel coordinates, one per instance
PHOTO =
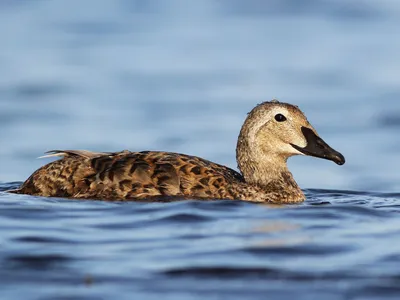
(180, 76)
(276, 234)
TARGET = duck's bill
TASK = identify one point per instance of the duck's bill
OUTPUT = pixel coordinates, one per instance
(318, 148)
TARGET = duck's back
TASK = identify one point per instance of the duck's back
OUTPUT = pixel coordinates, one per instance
(131, 175)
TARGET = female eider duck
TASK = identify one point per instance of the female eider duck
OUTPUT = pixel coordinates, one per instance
(272, 132)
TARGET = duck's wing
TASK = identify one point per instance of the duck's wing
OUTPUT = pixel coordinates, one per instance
(130, 175)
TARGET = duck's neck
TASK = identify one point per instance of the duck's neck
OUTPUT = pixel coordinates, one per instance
(269, 172)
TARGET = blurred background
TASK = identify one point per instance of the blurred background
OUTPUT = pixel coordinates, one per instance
(108, 75)
(181, 75)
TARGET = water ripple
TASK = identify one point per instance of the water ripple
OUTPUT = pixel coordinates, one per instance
(201, 240)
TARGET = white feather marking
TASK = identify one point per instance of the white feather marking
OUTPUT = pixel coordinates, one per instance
(53, 155)
(82, 153)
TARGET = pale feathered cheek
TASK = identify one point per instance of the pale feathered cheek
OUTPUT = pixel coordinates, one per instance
(301, 142)
(296, 152)
(292, 151)
(286, 148)
(296, 138)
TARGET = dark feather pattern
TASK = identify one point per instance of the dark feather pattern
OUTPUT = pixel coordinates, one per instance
(131, 175)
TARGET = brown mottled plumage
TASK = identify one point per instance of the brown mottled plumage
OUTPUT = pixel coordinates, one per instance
(272, 132)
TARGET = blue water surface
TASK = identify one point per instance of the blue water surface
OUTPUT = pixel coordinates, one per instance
(180, 76)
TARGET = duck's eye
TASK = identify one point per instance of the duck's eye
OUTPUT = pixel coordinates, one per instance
(280, 118)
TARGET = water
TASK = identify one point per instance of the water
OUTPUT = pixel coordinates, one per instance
(181, 76)
(344, 249)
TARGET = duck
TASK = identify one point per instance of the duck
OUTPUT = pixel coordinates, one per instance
(272, 132)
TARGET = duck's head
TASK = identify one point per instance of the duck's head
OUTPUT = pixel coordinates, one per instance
(279, 130)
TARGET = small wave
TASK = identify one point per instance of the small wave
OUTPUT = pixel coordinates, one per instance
(184, 218)
(5, 186)
(222, 272)
(42, 240)
(37, 261)
(309, 249)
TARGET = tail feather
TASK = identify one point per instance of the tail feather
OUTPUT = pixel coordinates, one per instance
(82, 153)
